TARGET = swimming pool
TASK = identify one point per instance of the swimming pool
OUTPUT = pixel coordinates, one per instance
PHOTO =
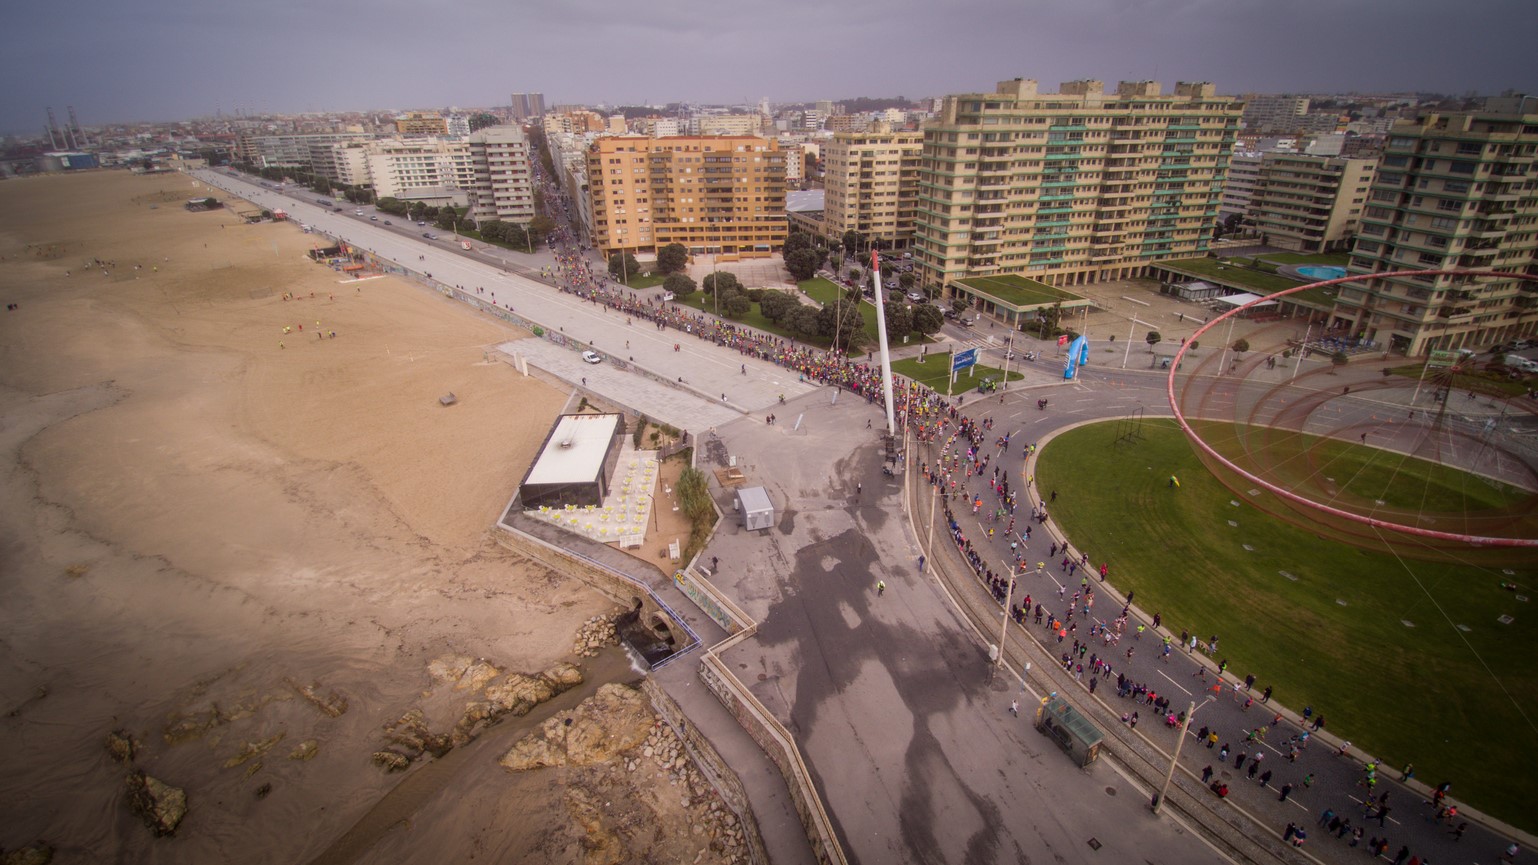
(1322, 272)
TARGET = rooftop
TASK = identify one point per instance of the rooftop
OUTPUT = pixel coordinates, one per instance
(1019, 292)
(575, 450)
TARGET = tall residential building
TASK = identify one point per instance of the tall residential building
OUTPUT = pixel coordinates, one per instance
(421, 123)
(717, 195)
(1239, 183)
(730, 124)
(345, 163)
(1310, 203)
(504, 184)
(1453, 191)
(1274, 113)
(528, 105)
(871, 183)
(1070, 187)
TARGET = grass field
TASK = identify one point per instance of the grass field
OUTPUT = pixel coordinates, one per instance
(1339, 259)
(1323, 622)
(1017, 290)
(754, 318)
(935, 372)
(1212, 269)
(645, 280)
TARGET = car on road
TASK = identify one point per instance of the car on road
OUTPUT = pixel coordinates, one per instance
(422, 223)
(428, 235)
(373, 219)
(388, 222)
(916, 296)
(592, 357)
(337, 209)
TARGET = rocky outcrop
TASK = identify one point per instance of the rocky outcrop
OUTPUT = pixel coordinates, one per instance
(122, 746)
(594, 635)
(186, 726)
(610, 722)
(463, 672)
(305, 751)
(709, 816)
(160, 805)
(37, 854)
(334, 705)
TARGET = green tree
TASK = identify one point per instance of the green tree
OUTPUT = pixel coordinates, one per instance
(680, 284)
(481, 121)
(736, 304)
(539, 228)
(1338, 360)
(905, 281)
(724, 280)
(622, 266)
(842, 323)
(418, 211)
(899, 321)
(1153, 338)
(836, 259)
(672, 258)
(802, 263)
(447, 219)
(775, 305)
(927, 319)
(794, 241)
(803, 320)
(1241, 346)
(851, 242)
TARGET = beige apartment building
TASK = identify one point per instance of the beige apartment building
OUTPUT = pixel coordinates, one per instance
(1310, 203)
(421, 169)
(871, 185)
(421, 123)
(716, 195)
(1453, 191)
(1071, 187)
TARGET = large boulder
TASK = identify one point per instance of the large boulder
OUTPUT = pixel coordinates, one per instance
(463, 672)
(610, 722)
(160, 805)
(122, 746)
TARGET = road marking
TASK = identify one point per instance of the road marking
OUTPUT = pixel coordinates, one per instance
(1175, 683)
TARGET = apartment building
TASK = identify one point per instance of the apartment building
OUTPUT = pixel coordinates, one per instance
(1309, 203)
(270, 150)
(1071, 187)
(1239, 183)
(1452, 191)
(504, 184)
(421, 123)
(717, 195)
(345, 163)
(528, 105)
(871, 185)
(421, 168)
(730, 124)
(1269, 112)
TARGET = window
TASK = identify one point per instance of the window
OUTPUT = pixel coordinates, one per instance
(1430, 259)
(1459, 166)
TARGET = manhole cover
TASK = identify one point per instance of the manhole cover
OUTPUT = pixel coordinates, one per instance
(1109, 791)
(1094, 844)
(1254, 492)
(762, 676)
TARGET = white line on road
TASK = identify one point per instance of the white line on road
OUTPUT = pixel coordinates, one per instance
(1175, 683)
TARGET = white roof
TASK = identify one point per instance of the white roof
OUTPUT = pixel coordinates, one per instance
(575, 450)
(1242, 298)
(754, 500)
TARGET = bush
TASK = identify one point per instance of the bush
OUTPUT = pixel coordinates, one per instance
(679, 284)
(694, 499)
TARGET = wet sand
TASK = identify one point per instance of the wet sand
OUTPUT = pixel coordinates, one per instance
(192, 516)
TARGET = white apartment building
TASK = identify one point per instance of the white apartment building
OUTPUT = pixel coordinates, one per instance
(345, 163)
(406, 168)
(1239, 184)
(730, 124)
(503, 187)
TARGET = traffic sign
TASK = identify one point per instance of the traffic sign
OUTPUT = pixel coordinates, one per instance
(963, 359)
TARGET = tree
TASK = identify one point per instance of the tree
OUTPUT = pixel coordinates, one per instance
(622, 266)
(927, 319)
(905, 281)
(539, 228)
(851, 241)
(775, 305)
(672, 258)
(721, 282)
(1153, 338)
(736, 304)
(802, 263)
(1241, 346)
(418, 211)
(899, 321)
(448, 218)
(481, 121)
(958, 305)
(842, 323)
(836, 259)
(679, 284)
(1339, 359)
(803, 320)
(796, 240)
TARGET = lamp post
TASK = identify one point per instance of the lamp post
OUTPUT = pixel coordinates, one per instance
(1175, 758)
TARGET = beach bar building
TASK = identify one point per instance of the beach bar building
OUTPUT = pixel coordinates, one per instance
(575, 462)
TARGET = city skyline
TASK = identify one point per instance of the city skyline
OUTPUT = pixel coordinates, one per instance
(155, 63)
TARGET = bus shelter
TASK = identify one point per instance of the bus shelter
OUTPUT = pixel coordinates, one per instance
(1072, 732)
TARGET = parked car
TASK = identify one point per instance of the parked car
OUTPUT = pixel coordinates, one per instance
(592, 357)
(916, 296)
(388, 222)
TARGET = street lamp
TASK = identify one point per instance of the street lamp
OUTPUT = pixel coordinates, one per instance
(1175, 758)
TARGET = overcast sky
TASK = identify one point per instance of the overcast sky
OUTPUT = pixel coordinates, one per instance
(163, 60)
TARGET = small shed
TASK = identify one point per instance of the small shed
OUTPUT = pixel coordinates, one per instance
(1072, 732)
(754, 508)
